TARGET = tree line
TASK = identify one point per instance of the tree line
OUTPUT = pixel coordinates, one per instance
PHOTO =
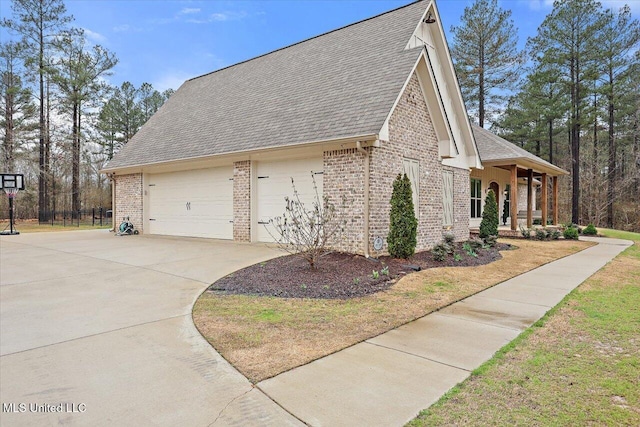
(60, 121)
(571, 96)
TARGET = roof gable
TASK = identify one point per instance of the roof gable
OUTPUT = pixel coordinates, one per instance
(337, 85)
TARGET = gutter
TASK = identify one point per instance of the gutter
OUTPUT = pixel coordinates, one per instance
(366, 197)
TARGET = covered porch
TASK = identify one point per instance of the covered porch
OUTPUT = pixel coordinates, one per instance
(513, 174)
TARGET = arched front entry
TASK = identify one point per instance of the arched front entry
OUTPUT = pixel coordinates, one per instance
(496, 192)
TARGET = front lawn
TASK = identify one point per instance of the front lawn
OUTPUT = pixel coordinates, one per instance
(263, 336)
(579, 365)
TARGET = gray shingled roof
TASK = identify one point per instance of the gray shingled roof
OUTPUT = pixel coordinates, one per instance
(336, 85)
(491, 147)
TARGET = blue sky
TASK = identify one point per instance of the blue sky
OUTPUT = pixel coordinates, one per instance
(165, 42)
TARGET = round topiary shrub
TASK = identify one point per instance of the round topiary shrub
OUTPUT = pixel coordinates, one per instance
(489, 223)
(590, 230)
(571, 233)
(403, 225)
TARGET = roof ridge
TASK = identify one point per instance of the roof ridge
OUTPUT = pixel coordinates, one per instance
(305, 40)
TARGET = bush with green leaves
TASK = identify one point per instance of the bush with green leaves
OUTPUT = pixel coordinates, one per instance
(554, 234)
(570, 233)
(541, 234)
(590, 230)
(439, 252)
(489, 223)
(526, 232)
(403, 223)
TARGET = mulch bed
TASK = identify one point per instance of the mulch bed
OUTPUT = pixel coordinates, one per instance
(338, 275)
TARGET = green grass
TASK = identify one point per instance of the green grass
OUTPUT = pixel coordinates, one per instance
(579, 365)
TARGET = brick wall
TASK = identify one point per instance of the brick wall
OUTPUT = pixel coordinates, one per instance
(242, 201)
(343, 184)
(461, 200)
(129, 199)
(412, 135)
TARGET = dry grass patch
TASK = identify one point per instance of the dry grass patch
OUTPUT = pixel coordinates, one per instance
(578, 366)
(265, 336)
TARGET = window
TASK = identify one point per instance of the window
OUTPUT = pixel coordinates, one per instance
(447, 198)
(412, 168)
(476, 198)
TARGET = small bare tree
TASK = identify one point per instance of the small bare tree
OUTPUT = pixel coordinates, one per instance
(308, 232)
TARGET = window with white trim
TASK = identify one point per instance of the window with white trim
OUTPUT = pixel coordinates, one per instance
(476, 198)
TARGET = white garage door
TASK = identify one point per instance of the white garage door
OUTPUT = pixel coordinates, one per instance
(196, 203)
(274, 184)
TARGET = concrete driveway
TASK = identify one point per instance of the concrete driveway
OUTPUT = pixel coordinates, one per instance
(102, 325)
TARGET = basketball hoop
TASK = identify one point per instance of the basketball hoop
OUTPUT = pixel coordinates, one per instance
(11, 183)
(11, 192)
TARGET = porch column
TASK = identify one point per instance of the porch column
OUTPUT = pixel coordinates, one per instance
(529, 194)
(544, 196)
(514, 197)
(555, 200)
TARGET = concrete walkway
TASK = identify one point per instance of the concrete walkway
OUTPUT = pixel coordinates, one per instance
(103, 325)
(387, 380)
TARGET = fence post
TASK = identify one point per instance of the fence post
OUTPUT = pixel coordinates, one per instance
(64, 217)
(93, 217)
(100, 216)
(79, 215)
(53, 216)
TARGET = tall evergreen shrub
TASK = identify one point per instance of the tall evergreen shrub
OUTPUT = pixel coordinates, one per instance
(489, 223)
(403, 223)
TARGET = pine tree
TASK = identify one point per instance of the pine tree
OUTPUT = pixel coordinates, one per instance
(620, 36)
(403, 223)
(486, 56)
(40, 23)
(568, 41)
(489, 223)
(78, 76)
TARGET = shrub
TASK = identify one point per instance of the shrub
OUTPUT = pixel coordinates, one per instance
(403, 223)
(476, 243)
(489, 223)
(571, 233)
(308, 231)
(449, 238)
(526, 232)
(490, 241)
(469, 250)
(554, 234)
(590, 230)
(541, 234)
(439, 252)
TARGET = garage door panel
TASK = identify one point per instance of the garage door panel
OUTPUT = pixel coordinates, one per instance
(196, 203)
(274, 184)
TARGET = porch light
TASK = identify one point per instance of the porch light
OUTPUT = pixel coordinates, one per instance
(430, 19)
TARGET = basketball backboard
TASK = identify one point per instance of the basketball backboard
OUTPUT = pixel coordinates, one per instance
(11, 181)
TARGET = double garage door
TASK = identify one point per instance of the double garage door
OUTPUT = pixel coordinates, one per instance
(199, 203)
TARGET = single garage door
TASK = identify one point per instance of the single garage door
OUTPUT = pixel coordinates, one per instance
(196, 203)
(274, 184)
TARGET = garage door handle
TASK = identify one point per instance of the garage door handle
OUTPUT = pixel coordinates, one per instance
(263, 222)
(263, 177)
(152, 219)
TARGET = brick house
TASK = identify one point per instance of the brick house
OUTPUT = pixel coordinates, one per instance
(348, 110)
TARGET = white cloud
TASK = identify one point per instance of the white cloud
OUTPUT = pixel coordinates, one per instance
(126, 28)
(220, 17)
(93, 36)
(171, 80)
(189, 10)
(540, 4)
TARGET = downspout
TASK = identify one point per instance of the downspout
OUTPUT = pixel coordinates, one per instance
(366, 197)
(112, 178)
